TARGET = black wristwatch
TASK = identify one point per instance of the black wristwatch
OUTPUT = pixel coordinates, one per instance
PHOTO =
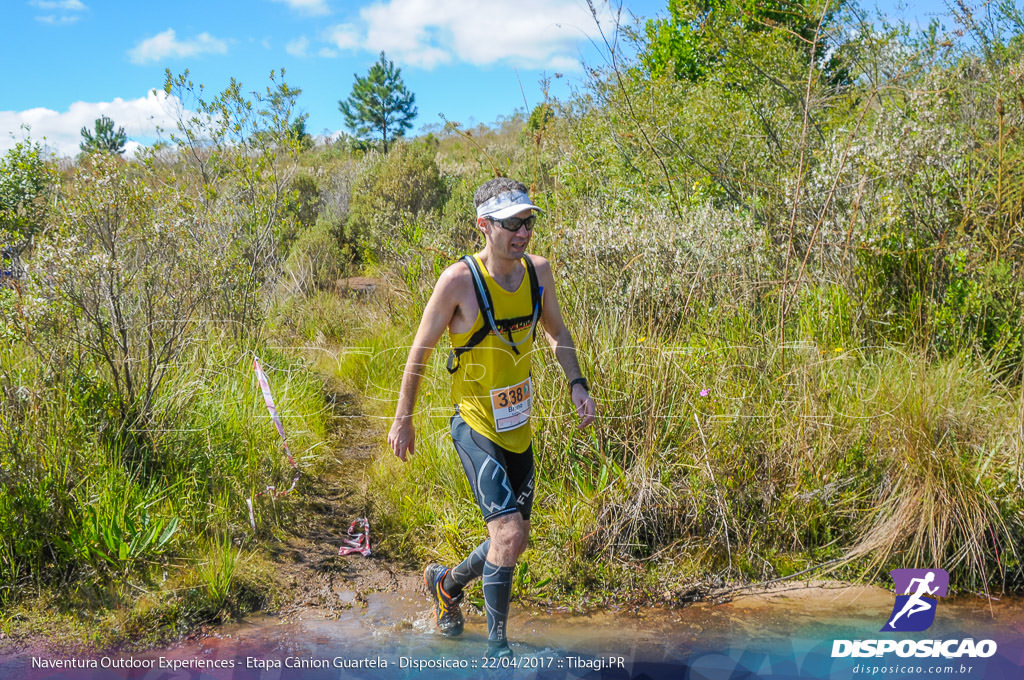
(579, 381)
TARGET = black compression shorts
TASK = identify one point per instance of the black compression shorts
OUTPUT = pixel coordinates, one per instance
(502, 481)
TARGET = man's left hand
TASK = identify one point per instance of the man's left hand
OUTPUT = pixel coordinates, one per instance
(585, 406)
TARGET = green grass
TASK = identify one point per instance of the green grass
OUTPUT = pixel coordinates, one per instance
(94, 506)
(869, 458)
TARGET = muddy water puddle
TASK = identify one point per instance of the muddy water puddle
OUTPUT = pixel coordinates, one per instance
(783, 634)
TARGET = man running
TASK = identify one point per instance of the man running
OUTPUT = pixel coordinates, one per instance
(916, 603)
(490, 303)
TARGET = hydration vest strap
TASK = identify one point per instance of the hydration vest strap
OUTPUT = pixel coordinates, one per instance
(483, 299)
(536, 292)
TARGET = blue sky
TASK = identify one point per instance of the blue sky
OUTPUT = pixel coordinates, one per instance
(69, 61)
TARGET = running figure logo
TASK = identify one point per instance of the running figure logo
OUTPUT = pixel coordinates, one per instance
(916, 593)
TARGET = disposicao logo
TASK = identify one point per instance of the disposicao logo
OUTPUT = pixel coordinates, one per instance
(917, 593)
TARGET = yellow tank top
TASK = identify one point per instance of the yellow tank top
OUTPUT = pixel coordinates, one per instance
(492, 385)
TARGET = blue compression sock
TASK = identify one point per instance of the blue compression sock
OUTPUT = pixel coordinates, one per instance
(470, 568)
(497, 582)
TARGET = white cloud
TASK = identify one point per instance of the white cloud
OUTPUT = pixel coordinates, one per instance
(530, 33)
(131, 148)
(54, 20)
(62, 130)
(68, 5)
(166, 44)
(327, 53)
(342, 36)
(314, 7)
(564, 64)
(297, 47)
(62, 6)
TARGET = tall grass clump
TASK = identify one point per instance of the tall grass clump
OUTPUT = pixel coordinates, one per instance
(947, 496)
(218, 570)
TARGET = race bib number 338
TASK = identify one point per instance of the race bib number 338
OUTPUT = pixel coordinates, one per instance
(511, 405)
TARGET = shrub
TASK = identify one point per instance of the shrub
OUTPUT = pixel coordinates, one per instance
(396, 194)
(25, 180)
(317, 259)
(128, 269)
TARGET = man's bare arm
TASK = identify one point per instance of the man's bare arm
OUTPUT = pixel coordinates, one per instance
(560, 339)
(436, 316)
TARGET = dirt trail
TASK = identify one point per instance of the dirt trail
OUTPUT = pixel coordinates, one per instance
(314, 579)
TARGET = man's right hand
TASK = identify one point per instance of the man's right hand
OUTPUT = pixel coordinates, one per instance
(455, 283)
(402, 437)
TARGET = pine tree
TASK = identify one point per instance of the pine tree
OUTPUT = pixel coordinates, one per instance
(379, 103)
(105, 139)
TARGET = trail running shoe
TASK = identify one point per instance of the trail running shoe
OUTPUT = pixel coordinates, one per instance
(446, 609)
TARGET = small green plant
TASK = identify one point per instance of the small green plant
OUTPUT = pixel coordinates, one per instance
(217, 570)
(115, 531)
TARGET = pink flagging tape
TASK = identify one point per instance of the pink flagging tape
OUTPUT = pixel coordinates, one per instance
(268, 397)
(358, 540)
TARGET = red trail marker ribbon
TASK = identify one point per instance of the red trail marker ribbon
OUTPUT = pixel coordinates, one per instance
(358, 540)
(268, 397)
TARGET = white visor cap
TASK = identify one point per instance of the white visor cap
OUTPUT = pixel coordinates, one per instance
(505, 204)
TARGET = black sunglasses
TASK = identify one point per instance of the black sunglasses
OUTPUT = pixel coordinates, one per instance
(513, 223)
